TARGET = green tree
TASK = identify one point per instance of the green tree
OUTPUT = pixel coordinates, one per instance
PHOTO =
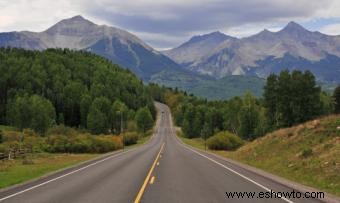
(72, 96)
(43, 114)
(33, 112)
(188, 121)
(249, 117)
(144, 119)
(291, 98)
(231, 113)
(327, 103)
(101, 110)
(96, 121)
(270, 100)
(85, 104)
(336, 96)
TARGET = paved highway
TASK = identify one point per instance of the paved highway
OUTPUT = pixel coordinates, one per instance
(162, 170)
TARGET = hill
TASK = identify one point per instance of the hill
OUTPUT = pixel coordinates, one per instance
(211, 88)
(75, 88)
(308, 153)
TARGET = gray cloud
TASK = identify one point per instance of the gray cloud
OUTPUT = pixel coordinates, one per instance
(166, 23)
(181, 20)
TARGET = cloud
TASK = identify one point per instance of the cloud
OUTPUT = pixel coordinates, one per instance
(166, 23)
(333, 29)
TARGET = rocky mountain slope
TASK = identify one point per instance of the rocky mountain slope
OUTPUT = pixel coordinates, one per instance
(113, 43)
(293, 47)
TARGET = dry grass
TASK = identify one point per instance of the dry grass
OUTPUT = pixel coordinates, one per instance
(17, 171)
(308, 153)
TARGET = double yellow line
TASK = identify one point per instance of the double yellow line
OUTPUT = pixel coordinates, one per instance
(141, 191)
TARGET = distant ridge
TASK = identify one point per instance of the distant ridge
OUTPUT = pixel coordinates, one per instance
(293, 47)
(113, 43)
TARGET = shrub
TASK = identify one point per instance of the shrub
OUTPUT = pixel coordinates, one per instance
(57, 143)
(11, 136)
(107, 143)
(130, 138)
(307, 152)
(4, 148)
(83, 143)
(29, 132)
(61, 130)
(224, 141)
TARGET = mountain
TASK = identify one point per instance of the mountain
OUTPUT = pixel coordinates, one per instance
(115, 44)
(197, 47)
(293, 47)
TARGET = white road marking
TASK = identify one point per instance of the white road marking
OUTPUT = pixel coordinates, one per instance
(223, 166)
(78, 170)
(67, 174)
(245, 177)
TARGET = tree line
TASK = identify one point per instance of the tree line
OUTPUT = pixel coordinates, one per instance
(289, 98)
(40, 89)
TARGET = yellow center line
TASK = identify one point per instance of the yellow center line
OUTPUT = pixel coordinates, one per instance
(141, 191)
(152, 180)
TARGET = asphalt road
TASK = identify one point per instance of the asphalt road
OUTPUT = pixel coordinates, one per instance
(162, 170)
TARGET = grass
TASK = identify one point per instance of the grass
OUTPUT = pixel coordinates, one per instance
(308, 153)
(7, 128)
(20, 170)
(194, 142)
(15, 171)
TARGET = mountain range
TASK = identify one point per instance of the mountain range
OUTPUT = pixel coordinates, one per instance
(293, 47)
(115, 44)
(215, 65)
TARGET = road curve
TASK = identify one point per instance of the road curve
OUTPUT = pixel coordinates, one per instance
(163, 170)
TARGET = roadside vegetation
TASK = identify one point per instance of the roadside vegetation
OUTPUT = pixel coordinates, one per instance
(289, 99)
(260, 132)
(307, 153)
(55, 103)
(36, 165)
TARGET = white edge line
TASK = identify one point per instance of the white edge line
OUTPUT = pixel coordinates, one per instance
(75, 171)
(245, 177)
(223, 166)
(67, 174)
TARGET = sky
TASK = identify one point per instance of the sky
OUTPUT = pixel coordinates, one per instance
(167, 23)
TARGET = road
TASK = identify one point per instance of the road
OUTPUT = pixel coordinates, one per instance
(162, 170)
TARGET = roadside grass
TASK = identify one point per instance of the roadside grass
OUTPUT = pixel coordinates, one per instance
(7, 128)
(194, 142)
(308, 153)
(19, 170)
(36, 165)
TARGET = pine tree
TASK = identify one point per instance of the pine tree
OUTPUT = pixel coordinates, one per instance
(144, 120)
(336, 96)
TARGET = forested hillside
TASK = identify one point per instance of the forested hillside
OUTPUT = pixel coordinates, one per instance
(289, 98)
(74, 88)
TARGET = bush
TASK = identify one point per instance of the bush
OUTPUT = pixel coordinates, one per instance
(4, 148)
(107, 143)
(61, 130)
(57, 143)
(83, 143)
(130, 138)
(307, 152)
(224, 141)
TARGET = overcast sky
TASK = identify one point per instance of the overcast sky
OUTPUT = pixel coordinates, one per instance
(168, 23)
